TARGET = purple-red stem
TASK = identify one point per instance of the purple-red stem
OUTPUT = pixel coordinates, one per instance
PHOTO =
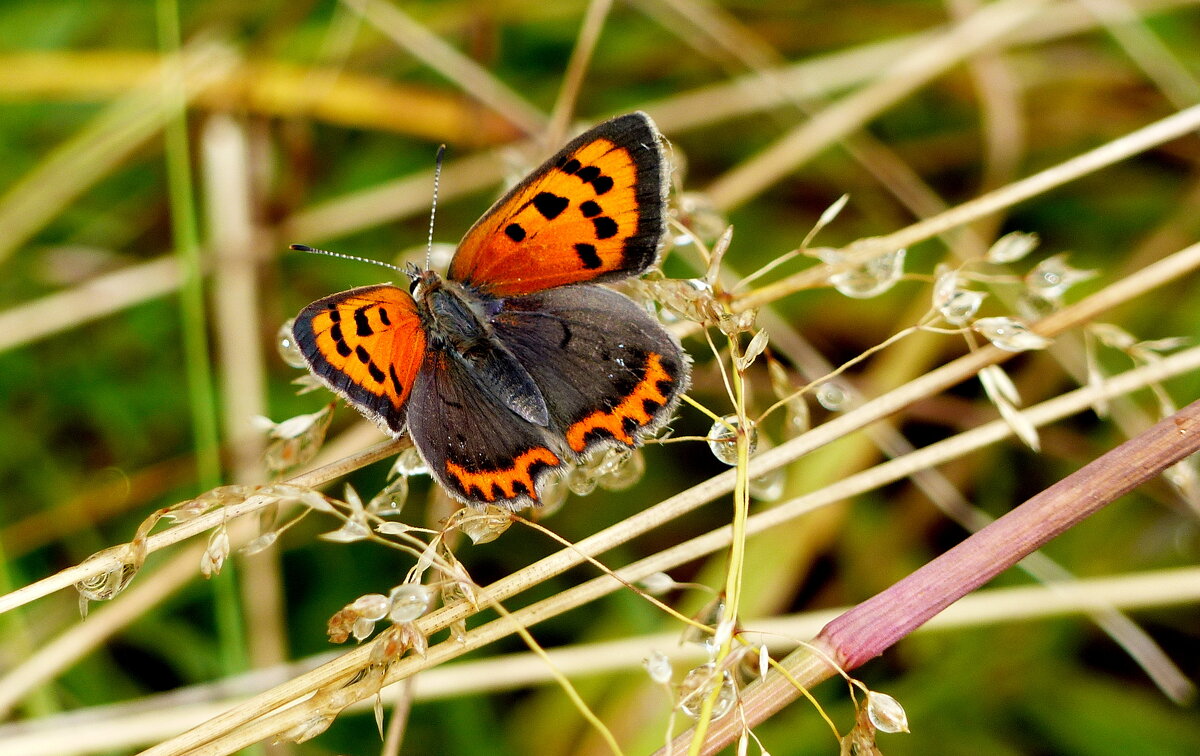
(873, 626)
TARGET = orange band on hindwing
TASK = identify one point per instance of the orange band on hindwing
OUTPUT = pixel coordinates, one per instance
(631, 409)
(506, 483)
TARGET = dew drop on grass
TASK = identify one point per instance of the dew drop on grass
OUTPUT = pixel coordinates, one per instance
(699, 683)
(409, 602)
(285, 344)
(722, 439)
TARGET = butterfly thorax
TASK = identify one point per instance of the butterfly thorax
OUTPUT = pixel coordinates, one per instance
(456, 323)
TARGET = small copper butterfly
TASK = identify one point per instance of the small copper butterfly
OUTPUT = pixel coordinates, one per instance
(516, 363)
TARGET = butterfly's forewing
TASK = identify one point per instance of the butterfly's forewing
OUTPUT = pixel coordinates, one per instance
(595, 211)
(478, 449)
(366, 344)
(609, 372)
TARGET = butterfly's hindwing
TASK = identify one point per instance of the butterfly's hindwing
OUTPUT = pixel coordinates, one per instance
(477, 448)
(366, 344)
(610, 373)
(595, 211)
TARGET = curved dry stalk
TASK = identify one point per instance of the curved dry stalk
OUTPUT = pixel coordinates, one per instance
(1146, 50)
(61, 652)
(962, 40)
(823, 75)
(106, 141)
(581, 56)
(321, 92)
(158, 716)
(185, 530)
(947, 375)
(458, 68)
(876, 624)
(238, 719)
(236, 317)
(103, 295)
(1137, 283)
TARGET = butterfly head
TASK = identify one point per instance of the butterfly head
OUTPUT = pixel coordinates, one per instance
(421, 282)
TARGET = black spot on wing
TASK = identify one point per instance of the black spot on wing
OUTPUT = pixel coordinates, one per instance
(363, 355)
(587, 256)
(395, 379)
(362, 326)
(515, 232)
(568, 166)
(339, 341)
(334, 314)
(550, 205)
(590, 209)
(376, 373)
(383, 317)
(606, 228)
(592, 175)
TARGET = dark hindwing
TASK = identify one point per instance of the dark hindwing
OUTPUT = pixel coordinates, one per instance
(365, 344)
(475, 446)
(609, 372)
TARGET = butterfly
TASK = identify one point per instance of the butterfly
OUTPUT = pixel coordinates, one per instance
(517, 363)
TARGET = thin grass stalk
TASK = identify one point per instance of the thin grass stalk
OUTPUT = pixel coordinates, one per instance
(1138, 283)
(1135, 284)
(474, 79)
(962, 40)
(55, 655)
(574, 597)
(202, 396)
(581, 55)
(731, 613)
(102, 144)
(183, 531)
(158, 716)
(719, 32)
(236, 320)
(99, 297)
(1148, 52)
(1157, 133)
(896, 469)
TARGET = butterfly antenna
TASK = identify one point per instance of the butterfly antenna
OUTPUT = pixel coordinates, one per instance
(437, 177)
(315, 251)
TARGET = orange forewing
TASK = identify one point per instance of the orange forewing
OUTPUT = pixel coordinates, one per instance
(366, 344)
(594, 211)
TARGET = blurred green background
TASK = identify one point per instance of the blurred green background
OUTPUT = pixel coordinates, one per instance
(317, 122)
